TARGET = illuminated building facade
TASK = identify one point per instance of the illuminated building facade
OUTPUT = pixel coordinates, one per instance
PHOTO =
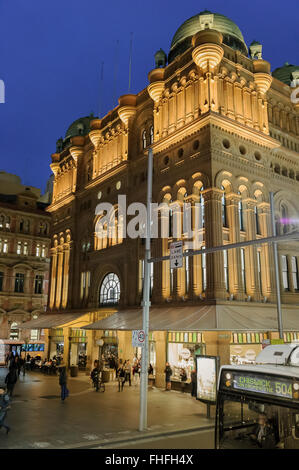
(224, 132)
(24, 261)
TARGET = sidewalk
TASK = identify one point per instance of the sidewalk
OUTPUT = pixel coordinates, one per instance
(39, 419)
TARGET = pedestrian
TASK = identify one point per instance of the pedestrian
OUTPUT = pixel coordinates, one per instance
(23, 365)
(128, 372)
(7, 359)
(168, 374)
(11, 380)
(136, 371)
(28, 357)
(183, 376)
(4, 407)
(121, 377)
(95, 375)
(150, 369)
(63, 381)
(193, 383)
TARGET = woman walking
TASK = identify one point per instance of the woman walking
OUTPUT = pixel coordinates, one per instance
(63, 382)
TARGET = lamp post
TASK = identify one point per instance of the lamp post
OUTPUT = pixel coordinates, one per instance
(277, 279)
(146, 300)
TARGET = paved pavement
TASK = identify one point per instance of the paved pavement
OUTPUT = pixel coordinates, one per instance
(87, 419)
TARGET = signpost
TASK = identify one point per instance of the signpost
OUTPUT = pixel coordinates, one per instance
(176, 255)
(138, 338)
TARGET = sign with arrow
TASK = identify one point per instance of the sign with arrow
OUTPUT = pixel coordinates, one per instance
(176, 255)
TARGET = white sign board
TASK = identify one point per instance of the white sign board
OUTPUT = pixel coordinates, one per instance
(176, 255)
(138, 338)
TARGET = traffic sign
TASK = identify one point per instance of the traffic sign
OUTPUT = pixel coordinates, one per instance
(176, 255)
(138, 338)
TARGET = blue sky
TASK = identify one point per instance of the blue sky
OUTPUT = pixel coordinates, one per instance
(51, 54)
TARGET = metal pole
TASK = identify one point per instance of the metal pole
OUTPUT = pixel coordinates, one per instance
(146, 301)
(277, 278)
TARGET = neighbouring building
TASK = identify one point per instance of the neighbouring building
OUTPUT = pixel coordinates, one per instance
(224, 133)
(24, 263)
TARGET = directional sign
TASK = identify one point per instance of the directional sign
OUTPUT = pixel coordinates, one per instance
(176, 255)
(138, 338)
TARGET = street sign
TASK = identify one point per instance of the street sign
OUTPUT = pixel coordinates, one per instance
(138, 338)
(176, 255)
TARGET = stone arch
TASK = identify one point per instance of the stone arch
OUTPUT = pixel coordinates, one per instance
(225, 178)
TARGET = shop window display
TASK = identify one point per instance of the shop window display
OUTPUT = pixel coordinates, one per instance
(182, 348)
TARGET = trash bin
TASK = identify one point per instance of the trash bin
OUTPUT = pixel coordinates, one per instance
(74, 371)
(105, 376)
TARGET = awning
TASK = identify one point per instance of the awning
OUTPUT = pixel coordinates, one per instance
(255, 317)
(50, 321)
(161, 319)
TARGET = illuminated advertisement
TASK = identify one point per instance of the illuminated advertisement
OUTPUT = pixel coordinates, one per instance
(280, 387)
(207, 370)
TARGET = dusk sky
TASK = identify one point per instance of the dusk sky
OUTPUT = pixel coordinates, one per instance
(51, 54)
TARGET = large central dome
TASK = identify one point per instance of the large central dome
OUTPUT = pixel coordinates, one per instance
(232, 35)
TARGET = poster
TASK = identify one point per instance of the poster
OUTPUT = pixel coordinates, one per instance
(207, 369)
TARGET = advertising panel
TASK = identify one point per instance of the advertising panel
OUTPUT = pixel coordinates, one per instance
(207, 371)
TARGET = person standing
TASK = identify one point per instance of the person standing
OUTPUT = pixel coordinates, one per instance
(63, 382)
(193, 383)
(183, 376)
(128, 372)
(121, 377)
(168, 374)
(11, 380)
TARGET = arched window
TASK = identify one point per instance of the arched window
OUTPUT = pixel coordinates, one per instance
(151, 134)
(241, 218)
(110, 290)
(284, 219)
(144, 145)
(14, 331)
(223, 208)
(257, 223)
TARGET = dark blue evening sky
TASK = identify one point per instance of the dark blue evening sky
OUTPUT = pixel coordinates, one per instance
(51, 54)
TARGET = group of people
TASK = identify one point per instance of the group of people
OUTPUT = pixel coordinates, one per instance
(183, 377)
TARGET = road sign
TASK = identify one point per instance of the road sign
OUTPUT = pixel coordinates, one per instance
(176, 255)
(138, 338)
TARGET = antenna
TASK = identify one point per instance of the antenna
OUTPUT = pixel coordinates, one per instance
(130, 61)
(115, 71)
(101, 86)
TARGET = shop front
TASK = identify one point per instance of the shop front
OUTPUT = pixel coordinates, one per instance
(244, 347)
(56, 343)
(78, 348)
(182, 346)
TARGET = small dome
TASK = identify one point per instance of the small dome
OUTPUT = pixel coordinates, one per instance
(232, 35)
(284, 74)
(79, 127)
(9, 178)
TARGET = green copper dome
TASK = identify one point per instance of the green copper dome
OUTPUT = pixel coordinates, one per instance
(232, 35)
(79, 127)
(284, 74)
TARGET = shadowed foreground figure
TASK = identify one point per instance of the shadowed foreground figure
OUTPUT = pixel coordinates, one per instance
(63, 382)
(4, 407)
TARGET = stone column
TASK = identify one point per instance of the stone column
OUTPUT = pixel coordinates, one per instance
(213, 238)
(59, 276)
(218, 344)
(53, 277)
(234, 256)
(161, 342)
(252, 285)
(66, 252)
(267, 259)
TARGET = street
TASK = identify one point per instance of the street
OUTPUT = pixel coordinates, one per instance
(39, 419)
